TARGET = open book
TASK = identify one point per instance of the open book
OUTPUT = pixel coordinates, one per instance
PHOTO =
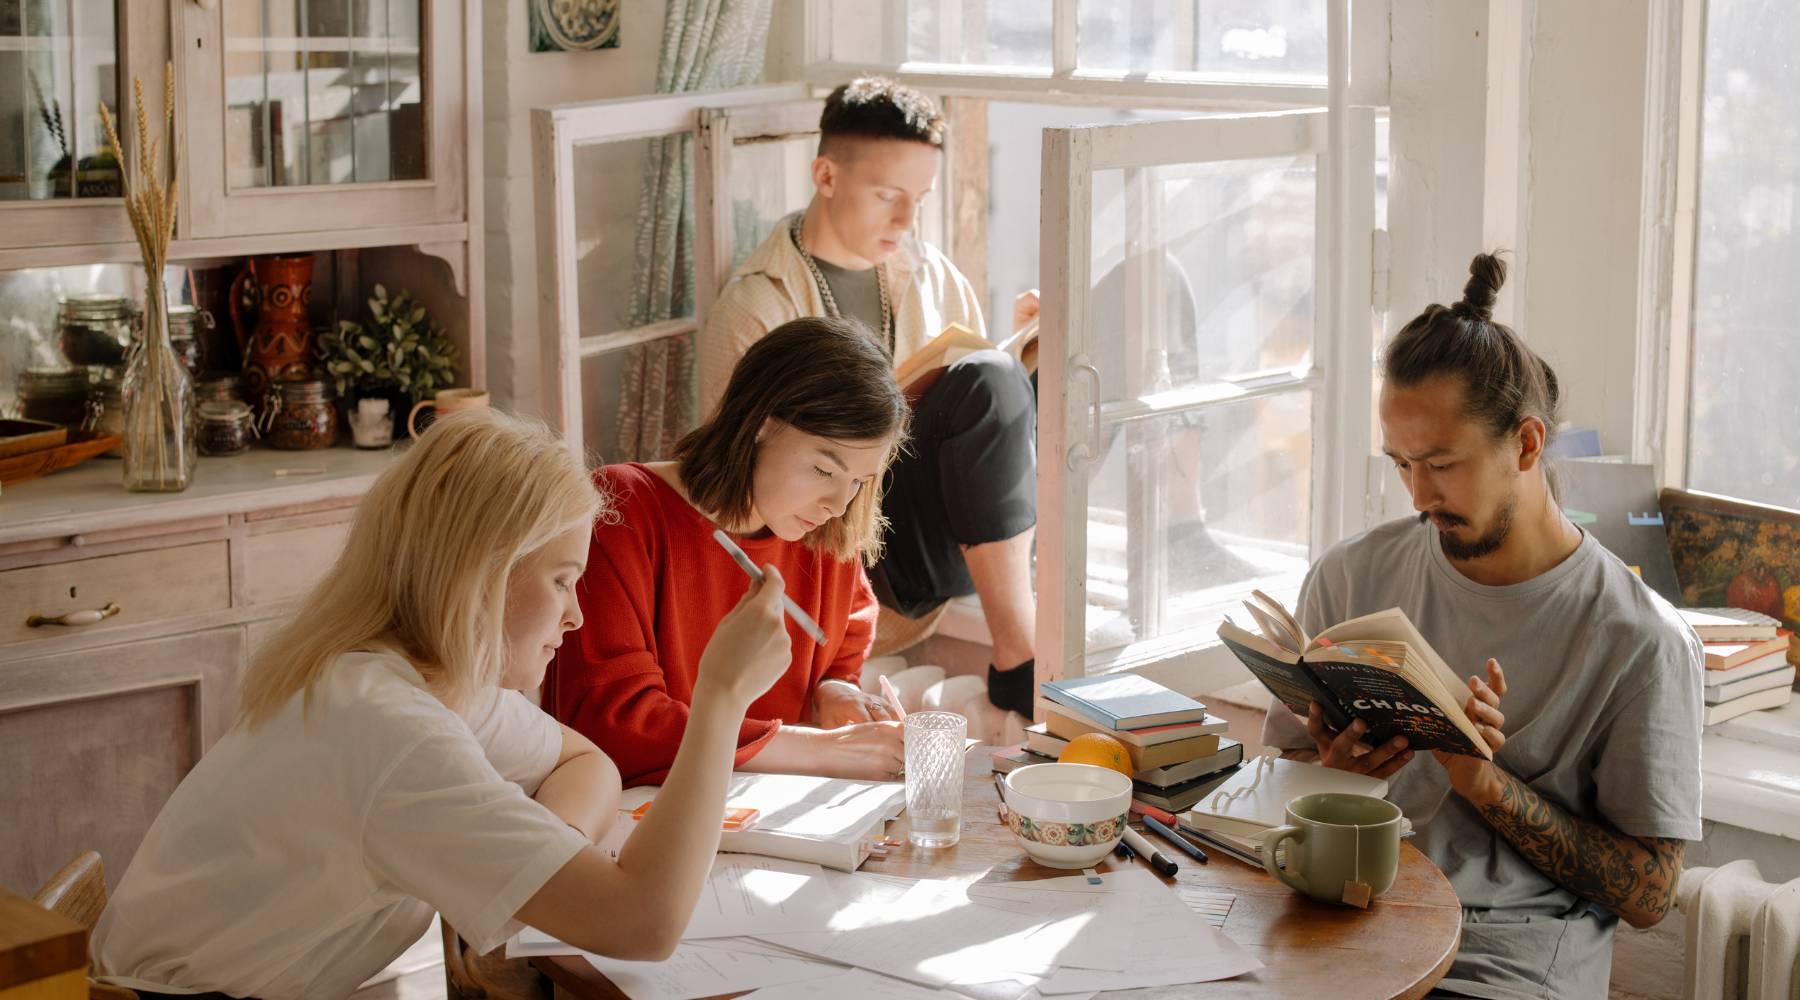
(1376, 668)
(827, 821)
(921, 370)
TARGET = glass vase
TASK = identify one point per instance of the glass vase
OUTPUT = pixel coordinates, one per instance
(158, 394)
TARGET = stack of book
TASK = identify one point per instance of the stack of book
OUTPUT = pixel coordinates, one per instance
(1747, 667)
(1178, 752)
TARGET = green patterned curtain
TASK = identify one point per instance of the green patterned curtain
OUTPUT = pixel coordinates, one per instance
(707, 45)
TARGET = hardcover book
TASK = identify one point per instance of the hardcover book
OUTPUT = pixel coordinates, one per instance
(1376, 668)
(1124, 701)
(1204, 742)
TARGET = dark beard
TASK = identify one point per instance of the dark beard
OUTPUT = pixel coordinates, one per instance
(1486, 545)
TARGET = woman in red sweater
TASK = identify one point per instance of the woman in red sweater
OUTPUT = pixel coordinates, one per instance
(791, 465)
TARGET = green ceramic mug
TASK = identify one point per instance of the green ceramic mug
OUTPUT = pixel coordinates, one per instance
(1333, 838)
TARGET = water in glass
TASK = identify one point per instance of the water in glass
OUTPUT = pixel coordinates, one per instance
(934, 777)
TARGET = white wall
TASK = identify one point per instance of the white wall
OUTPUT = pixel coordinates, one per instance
(517, 80)
(1519, 125)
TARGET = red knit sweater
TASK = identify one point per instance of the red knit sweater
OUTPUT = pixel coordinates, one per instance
(656, 586)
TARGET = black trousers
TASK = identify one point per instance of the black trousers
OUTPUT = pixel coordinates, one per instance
(968, 477)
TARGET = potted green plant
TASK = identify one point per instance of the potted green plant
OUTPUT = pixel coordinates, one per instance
(400, 355)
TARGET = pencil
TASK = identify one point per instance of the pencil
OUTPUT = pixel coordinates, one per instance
(800, 617)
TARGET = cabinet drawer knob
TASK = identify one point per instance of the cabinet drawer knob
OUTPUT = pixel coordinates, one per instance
(75, 617)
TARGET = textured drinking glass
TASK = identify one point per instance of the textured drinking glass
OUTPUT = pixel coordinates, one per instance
(934, 777)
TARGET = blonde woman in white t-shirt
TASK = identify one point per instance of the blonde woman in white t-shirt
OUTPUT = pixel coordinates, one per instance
(385, 764)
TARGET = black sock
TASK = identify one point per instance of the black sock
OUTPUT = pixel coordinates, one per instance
(1015, 689)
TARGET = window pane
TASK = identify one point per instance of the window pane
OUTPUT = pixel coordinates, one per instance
(1744, 431)
(982, 32)
(1227, 39)
(1201, 272)
(768, 180)
(58, 63)
(1187, 513)
(963, 32)
(323, 92)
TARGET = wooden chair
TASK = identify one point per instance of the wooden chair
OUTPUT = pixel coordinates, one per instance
(488, 977)
(78, 892)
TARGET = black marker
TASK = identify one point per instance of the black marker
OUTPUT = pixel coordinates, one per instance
(1175, 838)
(1142, 849)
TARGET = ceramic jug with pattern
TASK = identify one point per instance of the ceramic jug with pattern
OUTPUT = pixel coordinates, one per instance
(281, 345)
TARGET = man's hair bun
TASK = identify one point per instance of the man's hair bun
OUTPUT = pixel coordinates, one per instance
(1486, 274)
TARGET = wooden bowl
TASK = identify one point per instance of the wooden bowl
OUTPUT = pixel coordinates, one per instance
(79, 447)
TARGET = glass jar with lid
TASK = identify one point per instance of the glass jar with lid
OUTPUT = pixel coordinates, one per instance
(184, 336)
(226, 427)
(59, 395)
(305, 417)
(106, 404)
(97, 328)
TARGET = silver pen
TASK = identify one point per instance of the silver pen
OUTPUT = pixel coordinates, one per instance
(794, 611)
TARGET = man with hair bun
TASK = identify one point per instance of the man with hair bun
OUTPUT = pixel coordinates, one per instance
(961, 502)
(1595, 716)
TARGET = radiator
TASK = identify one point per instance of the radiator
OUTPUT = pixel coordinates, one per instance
(1743, 934)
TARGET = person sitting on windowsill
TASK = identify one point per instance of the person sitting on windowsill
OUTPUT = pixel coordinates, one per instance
(790, 464)
(1580, 818)
(961, 501)
(385, 766)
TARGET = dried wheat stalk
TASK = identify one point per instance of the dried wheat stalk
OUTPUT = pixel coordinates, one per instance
(150, 205)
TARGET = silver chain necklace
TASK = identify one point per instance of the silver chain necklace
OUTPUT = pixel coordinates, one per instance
(831, 306)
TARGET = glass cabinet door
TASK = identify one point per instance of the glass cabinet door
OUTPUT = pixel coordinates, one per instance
(58, 63)
(308, 115)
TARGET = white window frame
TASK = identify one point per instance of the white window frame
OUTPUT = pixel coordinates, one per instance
(714, 118)
(1355, 84)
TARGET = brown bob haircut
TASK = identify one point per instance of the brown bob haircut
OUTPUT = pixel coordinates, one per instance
(828, 377)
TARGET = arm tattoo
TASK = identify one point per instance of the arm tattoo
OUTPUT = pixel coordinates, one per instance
(1631, 876)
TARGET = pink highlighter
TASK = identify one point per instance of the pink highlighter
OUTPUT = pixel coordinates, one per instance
(893, 699)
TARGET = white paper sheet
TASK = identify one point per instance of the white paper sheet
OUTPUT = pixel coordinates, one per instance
(1171, 944)
(695, 972)
(854, 983)
(744, 893)
(937, 933)
(752, 894)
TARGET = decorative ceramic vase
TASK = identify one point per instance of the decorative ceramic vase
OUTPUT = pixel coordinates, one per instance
(159, 407)
(280, 347)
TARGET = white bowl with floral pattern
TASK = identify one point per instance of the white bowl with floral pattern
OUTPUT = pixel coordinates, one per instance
(1067, 815)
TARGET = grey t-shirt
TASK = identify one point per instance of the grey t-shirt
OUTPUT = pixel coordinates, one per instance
(858, 295)
(1603, 711)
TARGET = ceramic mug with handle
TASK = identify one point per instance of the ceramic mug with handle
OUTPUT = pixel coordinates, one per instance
(1335, 839)
(447, 401)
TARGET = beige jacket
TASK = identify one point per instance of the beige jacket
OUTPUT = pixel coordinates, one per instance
(774, 286)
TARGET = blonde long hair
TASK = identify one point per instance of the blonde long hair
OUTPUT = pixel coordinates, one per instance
(425, 567)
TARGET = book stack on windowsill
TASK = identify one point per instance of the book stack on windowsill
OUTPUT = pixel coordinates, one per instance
(1178, 752)
(1747, 666)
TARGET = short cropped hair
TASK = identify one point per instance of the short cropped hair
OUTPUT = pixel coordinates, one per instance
(827, 377)
(874, 107)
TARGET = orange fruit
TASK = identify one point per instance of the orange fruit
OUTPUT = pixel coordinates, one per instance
(1097, 749)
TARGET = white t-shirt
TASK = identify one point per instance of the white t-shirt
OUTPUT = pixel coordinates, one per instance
(300, 859)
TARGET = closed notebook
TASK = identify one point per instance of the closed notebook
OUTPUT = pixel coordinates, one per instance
(1070, 723)
(1780, 678)
(1725, 655)
(802, 818)
(1143, 757)
(1760, 701)
(1230, 752)
(1256, 797)
(1008, 759)
(1730, 624)
(1175, 798)
(1755, 668)
(1123, 701)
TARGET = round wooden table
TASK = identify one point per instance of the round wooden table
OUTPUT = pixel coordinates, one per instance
(1399, 947)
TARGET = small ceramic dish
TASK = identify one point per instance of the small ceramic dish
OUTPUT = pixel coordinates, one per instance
(1067, 815)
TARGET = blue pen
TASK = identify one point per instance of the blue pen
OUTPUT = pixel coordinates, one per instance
(1185, 845)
